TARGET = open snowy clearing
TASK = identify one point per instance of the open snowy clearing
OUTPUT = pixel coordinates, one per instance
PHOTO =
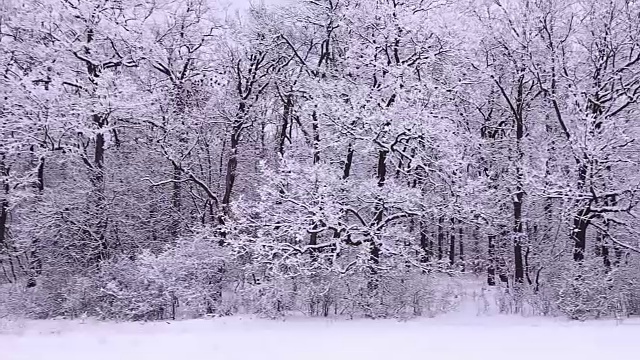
(494, 338)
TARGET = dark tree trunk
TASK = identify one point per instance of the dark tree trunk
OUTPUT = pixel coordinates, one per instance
(452, 243)
(602, 243)
(491, 266)
(382, 167)
(461, 246)
(582, 219)
(517, 107)
(579, 235)
(519, 195)
(345, 175)
(476, 252)
(40, 185)
(313, 240)
(316, 139)
(4, 204)
(425, 244)
(379, 209)
(605, 256)
(348, 163)
(286, 115)
(35, 262)
(503, 245)
(5, 247)
(232, 165)
(316, 159)
(599, 245)
(176, 202)
(97, 171)
(98, 156)
(230, 178)
(601, 249)
(618, 254)
(517, 230)
(440, 238)
(526, 265)
(374, 250)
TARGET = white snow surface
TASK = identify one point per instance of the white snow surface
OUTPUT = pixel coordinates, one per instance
(441, 338)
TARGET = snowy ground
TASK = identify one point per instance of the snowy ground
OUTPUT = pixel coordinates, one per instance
(448, 337)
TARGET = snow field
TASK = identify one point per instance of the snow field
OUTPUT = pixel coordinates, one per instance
(448, 337)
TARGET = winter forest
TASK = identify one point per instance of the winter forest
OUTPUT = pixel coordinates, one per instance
(177, 158)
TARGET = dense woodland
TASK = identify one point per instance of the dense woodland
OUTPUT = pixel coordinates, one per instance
(164, 158)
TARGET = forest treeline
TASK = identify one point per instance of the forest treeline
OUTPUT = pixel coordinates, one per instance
(163, 158)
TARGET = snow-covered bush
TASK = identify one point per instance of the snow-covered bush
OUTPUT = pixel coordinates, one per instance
(186, 280)
(586, 290)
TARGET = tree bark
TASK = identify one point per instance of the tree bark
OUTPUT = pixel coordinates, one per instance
(579, 234)
(461, 246)
(517, 230)
(176, 202)
(316, 159)
(379, 208)
(230, 177)
(232, 162)
(286, 115)
(316, 139)
(4, 204)
(348, 163)
(440, 238)
(97, 176)
(491, 266)
(519, 195)
(35, 261)
(425, 244)
(452, 243)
